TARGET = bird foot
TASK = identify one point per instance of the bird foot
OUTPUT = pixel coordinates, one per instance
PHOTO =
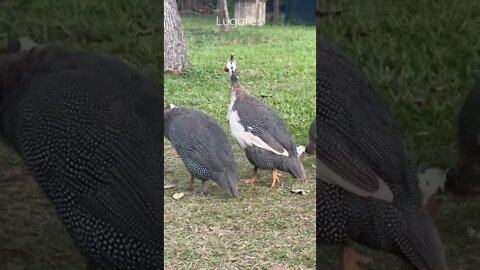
(250, 180)
(275, 178)
(351, 259)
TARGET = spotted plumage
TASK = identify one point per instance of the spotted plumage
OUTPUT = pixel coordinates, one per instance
(261, 132)
(366, 179)
(89, 129)
(203, 147)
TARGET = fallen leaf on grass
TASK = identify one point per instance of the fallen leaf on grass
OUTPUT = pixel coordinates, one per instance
(178, 196)
(299, 191)
(168, 186)
(277, 267)
(211, 229)
(303, 218)
(201, 230)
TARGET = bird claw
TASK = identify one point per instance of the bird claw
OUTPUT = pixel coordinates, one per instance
(249, 180)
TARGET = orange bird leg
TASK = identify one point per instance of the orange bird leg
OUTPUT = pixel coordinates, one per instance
(275, 178)
(253, 178)
(350, 258)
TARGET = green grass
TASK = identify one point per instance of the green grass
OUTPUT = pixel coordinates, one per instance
(31, 236)
(263, 227)
(423, 57)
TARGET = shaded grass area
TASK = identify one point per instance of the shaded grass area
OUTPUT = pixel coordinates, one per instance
(423, 57)
(263, 227)
(31, 236)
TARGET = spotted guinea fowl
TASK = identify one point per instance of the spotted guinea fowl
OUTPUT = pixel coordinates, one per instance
(203, 147)
(367, 184)
(89, 129)
(261, 132)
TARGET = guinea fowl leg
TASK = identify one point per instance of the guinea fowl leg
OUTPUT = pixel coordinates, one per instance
(350, 258)
(275, 177)
(191, 183)
(253, 178)
(204, 187)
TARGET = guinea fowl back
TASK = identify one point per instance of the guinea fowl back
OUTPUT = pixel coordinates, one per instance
(255, 114)
(202, 145)
(195, 126)
(89, 129)
(359, 140)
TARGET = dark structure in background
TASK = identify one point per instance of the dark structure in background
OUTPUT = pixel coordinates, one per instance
(300, 12)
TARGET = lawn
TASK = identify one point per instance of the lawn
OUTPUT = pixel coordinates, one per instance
(263, 227)
(423, 57)
(31, 236)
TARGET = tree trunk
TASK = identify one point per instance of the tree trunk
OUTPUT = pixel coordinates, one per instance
(251, 12)
(276, 11)
(257, 10)
(175, 52)
(224, 18)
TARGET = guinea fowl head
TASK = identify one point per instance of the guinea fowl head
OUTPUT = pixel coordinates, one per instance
(231, 68)
(167, 116)
(229, 183)
(11, 73)
(18, 44)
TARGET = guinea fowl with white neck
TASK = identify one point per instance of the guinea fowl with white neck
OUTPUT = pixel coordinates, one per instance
(261, 132)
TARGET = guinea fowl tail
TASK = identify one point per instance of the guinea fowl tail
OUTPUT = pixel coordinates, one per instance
(296, 167)
(424, 238)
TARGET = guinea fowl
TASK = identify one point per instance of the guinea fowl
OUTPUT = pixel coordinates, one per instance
(89, 129)
(261, 132)
(203, 147)
(367, 185)
(467, 178)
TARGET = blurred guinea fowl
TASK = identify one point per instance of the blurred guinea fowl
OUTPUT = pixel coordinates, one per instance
(89, 129)
(261, 132)
(467, 178)
(367, 185)
(203, 147)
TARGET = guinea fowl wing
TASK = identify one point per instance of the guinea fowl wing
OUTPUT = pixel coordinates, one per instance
(371, 159)
(265, 123)
(128, 202)
(196, 142)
